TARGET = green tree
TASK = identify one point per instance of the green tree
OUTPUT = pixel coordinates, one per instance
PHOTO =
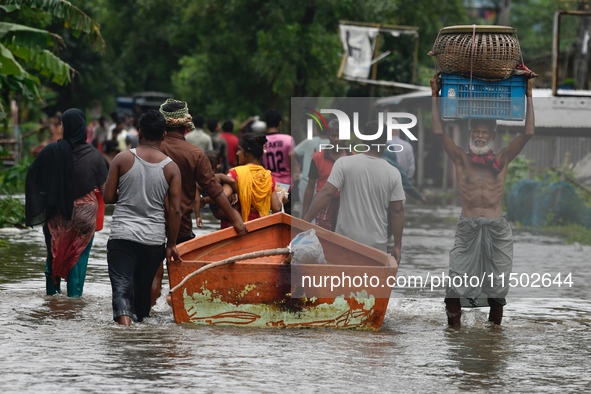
(239, 57)
(146, 39)
(28, 54)
(252, 55)
(429, 17)
(533, 20)
(95, 80)
(243, 65)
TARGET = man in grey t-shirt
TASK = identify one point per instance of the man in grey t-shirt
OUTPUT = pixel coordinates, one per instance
(371, 195)
(198, 136)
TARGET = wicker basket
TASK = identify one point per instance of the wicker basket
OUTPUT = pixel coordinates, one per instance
(496, 51)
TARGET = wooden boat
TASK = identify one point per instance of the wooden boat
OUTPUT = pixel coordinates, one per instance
(267, 292)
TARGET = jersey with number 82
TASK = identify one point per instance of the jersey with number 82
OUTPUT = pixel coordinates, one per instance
(276, 158)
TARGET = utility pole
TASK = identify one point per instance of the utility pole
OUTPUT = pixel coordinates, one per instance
(581, 60)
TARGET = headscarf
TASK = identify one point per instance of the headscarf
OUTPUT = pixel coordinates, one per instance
(180, 117)
(74, 122)
(48, 188)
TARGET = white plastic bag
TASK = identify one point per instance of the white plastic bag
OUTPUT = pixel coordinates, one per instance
(306, 248)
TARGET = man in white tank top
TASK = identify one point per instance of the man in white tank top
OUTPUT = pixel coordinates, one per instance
(145, 185)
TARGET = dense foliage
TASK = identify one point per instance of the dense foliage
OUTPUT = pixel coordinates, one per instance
(237, 58)
(29, 52)
(12, 210)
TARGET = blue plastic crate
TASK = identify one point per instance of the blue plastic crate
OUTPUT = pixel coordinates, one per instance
(503, 100)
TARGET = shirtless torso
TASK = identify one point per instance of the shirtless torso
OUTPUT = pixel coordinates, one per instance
(481, 189)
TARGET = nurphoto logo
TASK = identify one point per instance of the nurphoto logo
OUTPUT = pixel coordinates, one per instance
(387, 119)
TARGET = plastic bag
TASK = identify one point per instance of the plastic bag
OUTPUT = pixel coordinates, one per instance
(306, 248)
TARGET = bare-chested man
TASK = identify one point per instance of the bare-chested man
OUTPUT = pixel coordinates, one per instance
(484, 241)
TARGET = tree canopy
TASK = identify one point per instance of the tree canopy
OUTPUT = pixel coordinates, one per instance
(29, 53)
(239, 57)
(231, 58)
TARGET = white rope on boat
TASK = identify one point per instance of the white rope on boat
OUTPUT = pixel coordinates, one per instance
(246, 256)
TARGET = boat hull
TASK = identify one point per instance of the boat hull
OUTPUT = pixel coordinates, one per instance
(266, 292)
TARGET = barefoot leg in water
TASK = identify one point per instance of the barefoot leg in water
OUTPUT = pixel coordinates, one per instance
(496, 311)
(454, 311)
(124, 320)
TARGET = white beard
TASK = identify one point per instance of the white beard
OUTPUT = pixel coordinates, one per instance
(480, 150)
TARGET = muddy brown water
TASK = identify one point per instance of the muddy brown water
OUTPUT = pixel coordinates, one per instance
(56, 344)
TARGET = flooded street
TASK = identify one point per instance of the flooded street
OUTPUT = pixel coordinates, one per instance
(56, 344)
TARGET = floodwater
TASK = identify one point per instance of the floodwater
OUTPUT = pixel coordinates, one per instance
(56, 344)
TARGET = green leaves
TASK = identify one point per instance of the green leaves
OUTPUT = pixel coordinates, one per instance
(252, 55)
(24, 42)
(14, 77)
(519, 169)
(46, 63)
(8, 64)
(9, 8)
(12, 179)
(26, 51)
(12, 212)
(25, 35)
(72, 17)
(26, 84)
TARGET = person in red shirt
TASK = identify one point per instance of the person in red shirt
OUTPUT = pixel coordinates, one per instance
(231, 141)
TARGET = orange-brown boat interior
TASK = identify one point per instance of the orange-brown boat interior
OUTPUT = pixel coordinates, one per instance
(277, 231)
(268, 280)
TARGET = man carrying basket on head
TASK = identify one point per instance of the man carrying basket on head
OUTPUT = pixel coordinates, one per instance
(484, 241)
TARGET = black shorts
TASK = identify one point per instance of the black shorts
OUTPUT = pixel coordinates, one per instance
(132, 267)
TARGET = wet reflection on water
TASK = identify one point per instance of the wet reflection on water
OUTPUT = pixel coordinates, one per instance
(481, 359)
(52, 344)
